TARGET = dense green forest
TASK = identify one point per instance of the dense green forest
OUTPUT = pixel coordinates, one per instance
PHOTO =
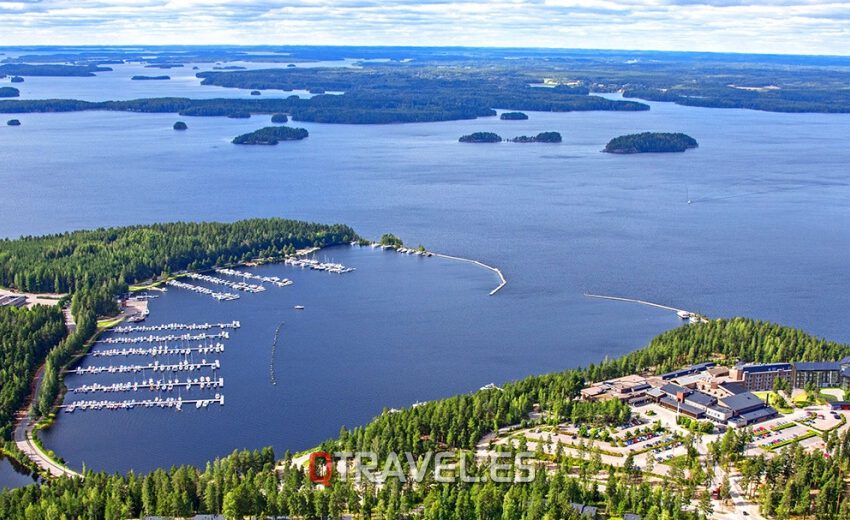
(26, 335)
(480, 137)
(8, 92)
(271, 135)
(650, 142)
(114, 256)
(542, 137)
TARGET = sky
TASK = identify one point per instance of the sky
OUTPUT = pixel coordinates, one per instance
(762, 26)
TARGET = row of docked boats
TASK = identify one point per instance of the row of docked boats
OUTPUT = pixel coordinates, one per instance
(220, 296)
(156, 366)
(160, 385)
(274, 280)
(239, 286)
(175, 403)
(312, 263)
(166, 338)
(160, 350)
(129, 329)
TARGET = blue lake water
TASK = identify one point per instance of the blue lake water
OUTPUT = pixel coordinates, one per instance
(766, 236)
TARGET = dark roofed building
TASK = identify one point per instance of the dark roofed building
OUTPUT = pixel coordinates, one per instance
(693, 369)
(823, 374)
(742, 403)
(760, 377)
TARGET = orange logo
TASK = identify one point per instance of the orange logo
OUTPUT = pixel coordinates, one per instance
(321, 468)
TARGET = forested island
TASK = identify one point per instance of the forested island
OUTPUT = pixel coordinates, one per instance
(279, 118)
(8, 92)
(651, 142)
(150, 78)
(180, 125)
(513, 116)
(481, 137)
(50, 69)
(13, 122)
(542, 137)
(17, 79)
(255, 92)
(272, 135)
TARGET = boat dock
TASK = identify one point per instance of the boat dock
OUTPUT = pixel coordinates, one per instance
(156, 366)
(682, 313)
(220, 296)
(272, 376)
(162, 339)
(239, 286)
(160, 385)
(274, 280)
(169, 402)
(160, 350)
(127, 329)
(312, 263)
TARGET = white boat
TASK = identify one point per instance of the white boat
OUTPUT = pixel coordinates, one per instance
(684, 314)
(299, 307)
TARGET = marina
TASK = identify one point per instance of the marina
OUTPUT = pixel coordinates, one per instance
(312, 263)
(129, 329)
(169, 402)
(239, 286)
(220, 296)
(161, 339)
(160, 350)
(156, 366)
(280, 282)
(160, 385)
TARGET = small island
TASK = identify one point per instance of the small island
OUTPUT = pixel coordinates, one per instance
(271, 135)
(513, 116)
(481, 137)
(150, 78)
(17, 79)
(542, 137)
(390, 240)
(7, 92)
(280, 118)
(255, 92)
(13, 122)
(180, 125)
(651, 142)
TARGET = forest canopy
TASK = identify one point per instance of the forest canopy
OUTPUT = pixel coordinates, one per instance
(651, 142)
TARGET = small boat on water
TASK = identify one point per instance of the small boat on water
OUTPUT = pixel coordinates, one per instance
(299, 307)
(684, 314)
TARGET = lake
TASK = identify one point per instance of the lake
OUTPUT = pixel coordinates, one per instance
(766, 236)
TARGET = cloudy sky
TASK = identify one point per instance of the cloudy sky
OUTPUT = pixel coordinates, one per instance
(774, 26)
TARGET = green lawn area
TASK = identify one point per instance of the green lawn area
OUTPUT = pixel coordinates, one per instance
(771, 399)
(109, 323)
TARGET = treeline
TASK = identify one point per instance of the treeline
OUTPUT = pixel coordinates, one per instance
(103, 259)
(790, 100)
(50, 69)
(248, 484)
(26, 335)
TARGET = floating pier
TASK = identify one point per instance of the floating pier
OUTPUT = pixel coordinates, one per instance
(158, 402)
(160, 385)
(280, 282)
(692, 316)
(161, 350)
(156, 366)
(220, 296)
(502, 281)
(163, 339)
(127, 329)
(272, 376)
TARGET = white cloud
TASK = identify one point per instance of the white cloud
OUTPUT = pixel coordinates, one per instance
(785, 26)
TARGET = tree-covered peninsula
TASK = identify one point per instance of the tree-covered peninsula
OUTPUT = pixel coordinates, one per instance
(651, 142)
(9, 92)
(513, 116)
(50, 69)
(272, 135)
(481, 137)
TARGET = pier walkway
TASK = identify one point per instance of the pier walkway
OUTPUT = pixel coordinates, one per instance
(502, 281)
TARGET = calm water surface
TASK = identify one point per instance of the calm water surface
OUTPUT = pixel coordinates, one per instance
(767, 235)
